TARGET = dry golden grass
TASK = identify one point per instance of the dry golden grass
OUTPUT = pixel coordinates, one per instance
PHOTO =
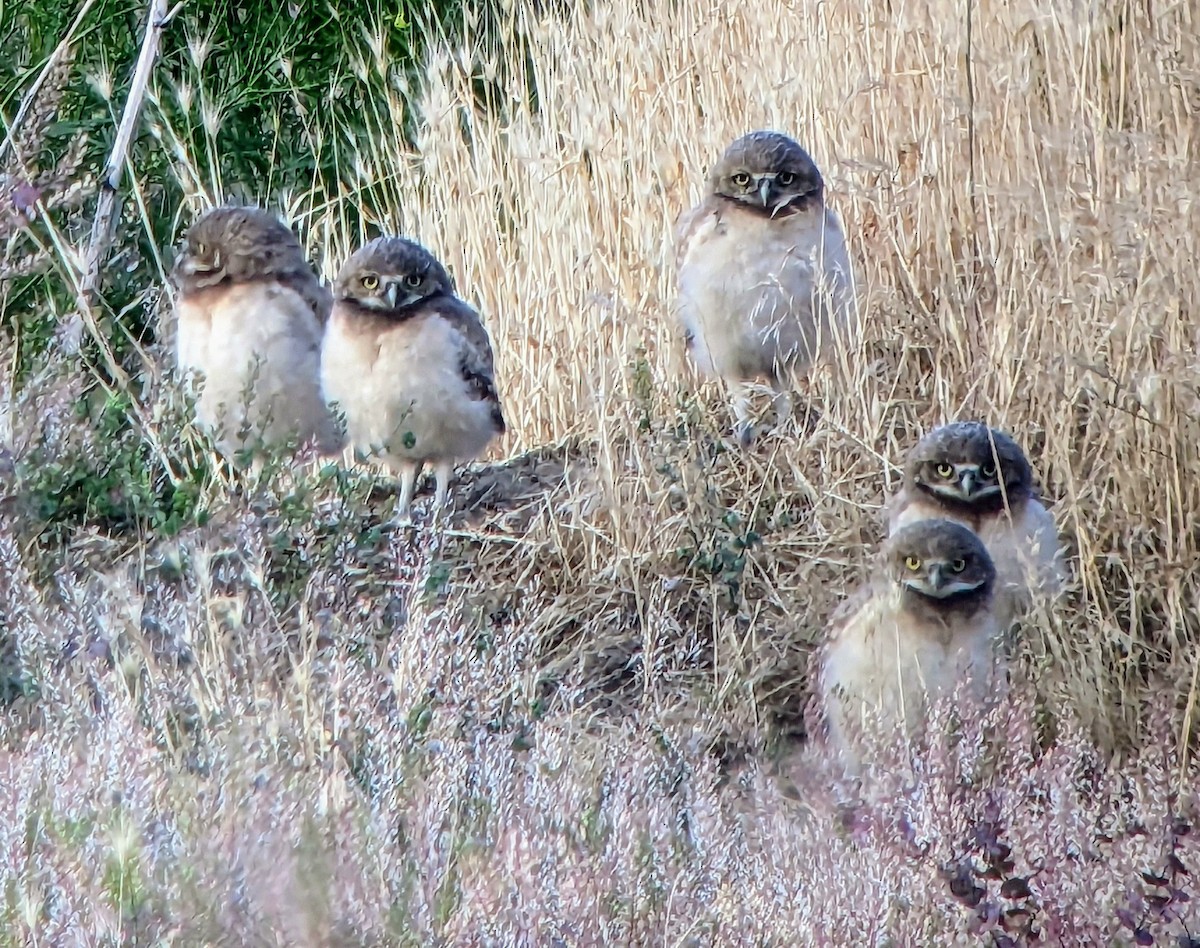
(1018, 195)
(1039, 280)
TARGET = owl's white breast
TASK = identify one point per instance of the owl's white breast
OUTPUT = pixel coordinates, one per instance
(402, 390)
(882, 668)
(753, 289)
(193, 328)
(258, 347)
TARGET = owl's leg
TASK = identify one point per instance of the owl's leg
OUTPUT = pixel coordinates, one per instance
(743, 417)
(442, 472)
(408, 482)
(782, 402)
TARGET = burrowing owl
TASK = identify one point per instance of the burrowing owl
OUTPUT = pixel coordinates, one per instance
(968, 472)
(409, 364)
(923, 623)
(250, 316)
(765, 283)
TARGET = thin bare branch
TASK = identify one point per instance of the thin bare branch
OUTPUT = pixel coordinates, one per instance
(106, 206)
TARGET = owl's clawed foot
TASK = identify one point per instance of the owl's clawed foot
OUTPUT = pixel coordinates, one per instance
(753, 421)
(749, 434)
(400, 520)
(784, 408)
(434, 517)
(745, 417)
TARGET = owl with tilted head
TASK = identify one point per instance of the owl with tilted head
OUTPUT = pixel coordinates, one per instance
(250, 313)
(409, 365)
(765, 285)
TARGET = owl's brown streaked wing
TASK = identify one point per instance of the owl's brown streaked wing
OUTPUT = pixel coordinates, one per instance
(688, 226)
(319, 297)
(476, 360)
(848, 610)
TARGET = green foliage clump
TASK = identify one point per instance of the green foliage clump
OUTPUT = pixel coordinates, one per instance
(264, 103)
(114, 480)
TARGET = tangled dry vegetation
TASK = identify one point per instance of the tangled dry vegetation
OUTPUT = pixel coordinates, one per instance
(572, 719)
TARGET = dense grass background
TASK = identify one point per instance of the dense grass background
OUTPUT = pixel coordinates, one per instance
(238, 713)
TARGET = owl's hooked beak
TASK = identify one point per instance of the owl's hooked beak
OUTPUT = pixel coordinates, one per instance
(765, 186)
(937, 575)
(940, 582)
(969, 481)
(391, 293)
(191, 266)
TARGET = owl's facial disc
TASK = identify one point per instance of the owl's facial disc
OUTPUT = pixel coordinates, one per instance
(772, 194)
(409, 289)
(391, 292)
(965, 482)
(409, 297)
(382, 294)
(772, 191)
(939, 579)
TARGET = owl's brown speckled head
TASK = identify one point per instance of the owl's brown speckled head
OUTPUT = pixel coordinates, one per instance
(969, 467)
(940, 563)
(767, 172)
(390, 275)
(237, 245)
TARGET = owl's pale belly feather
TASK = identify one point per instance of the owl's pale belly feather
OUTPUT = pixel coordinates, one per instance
(878, 673)
(403, 392)
(193, 329)
(258, 348)
(759, 296)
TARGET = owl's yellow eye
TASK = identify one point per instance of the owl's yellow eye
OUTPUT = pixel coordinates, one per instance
(414, 280)
(786, 179)
(370, 281)
(958, 566)
(741, 179)
(201, 249)
(988, 470)
(913, 563)
(945, 471)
